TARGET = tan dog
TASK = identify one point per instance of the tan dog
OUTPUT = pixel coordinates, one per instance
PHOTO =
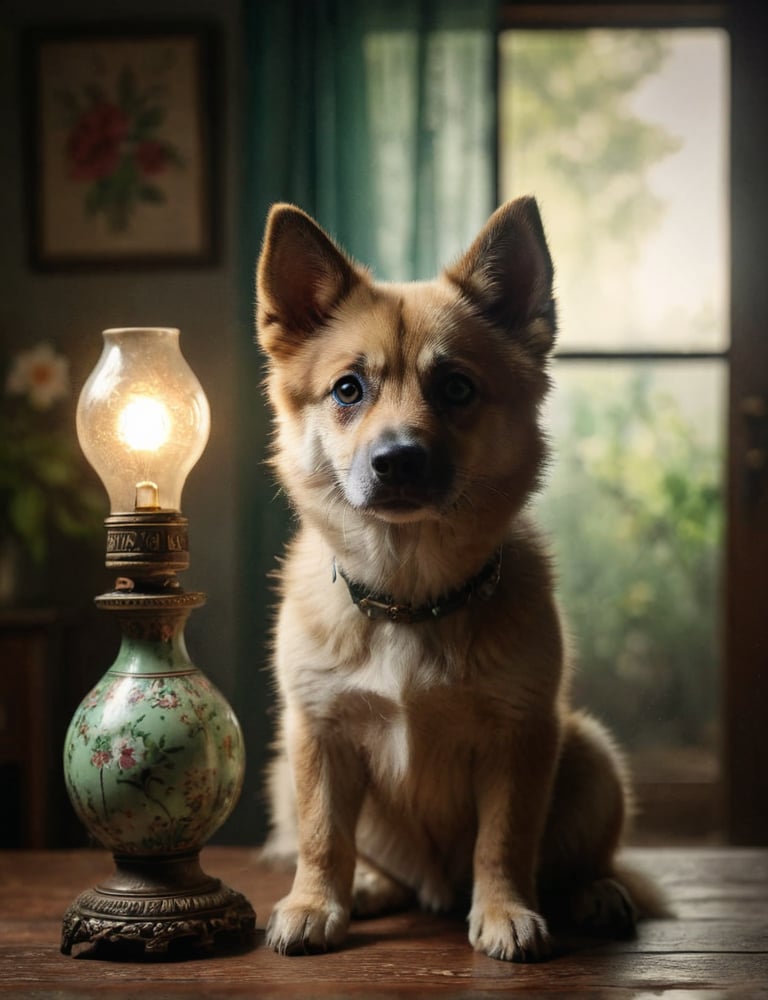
(427, 748)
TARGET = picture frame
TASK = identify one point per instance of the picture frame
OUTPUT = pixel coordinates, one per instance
(121, 146)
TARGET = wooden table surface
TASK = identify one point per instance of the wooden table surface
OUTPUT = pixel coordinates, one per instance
(716, 946)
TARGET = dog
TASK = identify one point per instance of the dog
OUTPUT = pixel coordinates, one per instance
(427, 752)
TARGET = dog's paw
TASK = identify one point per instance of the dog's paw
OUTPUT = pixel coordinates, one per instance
(604, 908)
(373, 893)
(299, 927)
(509, 932)
(436, 894)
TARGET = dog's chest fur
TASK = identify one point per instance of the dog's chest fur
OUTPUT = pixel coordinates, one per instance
(407, 708)
(421, 704)
(415, 725)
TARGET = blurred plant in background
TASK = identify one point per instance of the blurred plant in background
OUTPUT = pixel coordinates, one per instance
(44, 488)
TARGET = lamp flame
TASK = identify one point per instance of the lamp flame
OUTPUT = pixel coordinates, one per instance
(144, 424)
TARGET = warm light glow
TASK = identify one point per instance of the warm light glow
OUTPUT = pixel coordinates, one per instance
(144, 424)
(142, 419)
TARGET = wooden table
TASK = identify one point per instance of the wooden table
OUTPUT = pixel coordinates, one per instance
(718, 945)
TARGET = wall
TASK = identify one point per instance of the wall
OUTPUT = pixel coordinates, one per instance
(71, 310)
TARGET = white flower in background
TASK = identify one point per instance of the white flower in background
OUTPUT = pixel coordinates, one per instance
(41, 374)
(44, 492)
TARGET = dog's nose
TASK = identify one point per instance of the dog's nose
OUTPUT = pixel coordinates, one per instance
(399, 461)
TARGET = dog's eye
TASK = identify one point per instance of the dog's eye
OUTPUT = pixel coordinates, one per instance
(348, 390)
(457, 389)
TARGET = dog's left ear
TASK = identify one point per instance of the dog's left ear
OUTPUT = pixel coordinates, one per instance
(301, 277)
(507, 273)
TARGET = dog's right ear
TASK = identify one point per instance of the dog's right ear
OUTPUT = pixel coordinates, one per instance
(507, 273)
(301, 277)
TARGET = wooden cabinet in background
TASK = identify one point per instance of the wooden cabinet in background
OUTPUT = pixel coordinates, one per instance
(44, 673)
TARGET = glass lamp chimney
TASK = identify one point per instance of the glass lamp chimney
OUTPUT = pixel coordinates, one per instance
(142, 419)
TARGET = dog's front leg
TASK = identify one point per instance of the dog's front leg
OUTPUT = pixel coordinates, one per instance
(513, 786)
(329, 779)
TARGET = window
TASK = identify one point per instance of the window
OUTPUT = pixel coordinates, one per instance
(622, 136)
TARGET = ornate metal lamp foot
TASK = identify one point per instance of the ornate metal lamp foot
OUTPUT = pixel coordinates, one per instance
(151, 902)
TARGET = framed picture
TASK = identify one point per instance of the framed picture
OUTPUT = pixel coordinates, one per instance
(120, 136)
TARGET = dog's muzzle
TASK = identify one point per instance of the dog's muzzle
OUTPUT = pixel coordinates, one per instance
(399, 472)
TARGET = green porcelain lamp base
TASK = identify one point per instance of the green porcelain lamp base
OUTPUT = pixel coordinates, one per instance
(150, 903)
(154, 764)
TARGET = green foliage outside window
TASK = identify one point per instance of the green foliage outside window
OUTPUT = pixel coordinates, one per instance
(635, 509)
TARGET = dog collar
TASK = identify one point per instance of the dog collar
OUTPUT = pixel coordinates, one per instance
(383, 607)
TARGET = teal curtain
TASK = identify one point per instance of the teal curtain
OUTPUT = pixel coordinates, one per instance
(431, 106)
(378, 118)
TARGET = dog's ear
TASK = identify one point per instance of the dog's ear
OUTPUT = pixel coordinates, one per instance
(507, 273)
(300, 278)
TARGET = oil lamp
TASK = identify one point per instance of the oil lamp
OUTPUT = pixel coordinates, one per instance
(153, 758)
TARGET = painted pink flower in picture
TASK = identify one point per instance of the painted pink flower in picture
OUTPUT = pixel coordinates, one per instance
(116, 147)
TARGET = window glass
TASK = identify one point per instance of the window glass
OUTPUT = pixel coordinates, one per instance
(635, 511)
(622, 137)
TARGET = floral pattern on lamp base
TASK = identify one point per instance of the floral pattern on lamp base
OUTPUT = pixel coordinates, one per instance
(154, 764)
